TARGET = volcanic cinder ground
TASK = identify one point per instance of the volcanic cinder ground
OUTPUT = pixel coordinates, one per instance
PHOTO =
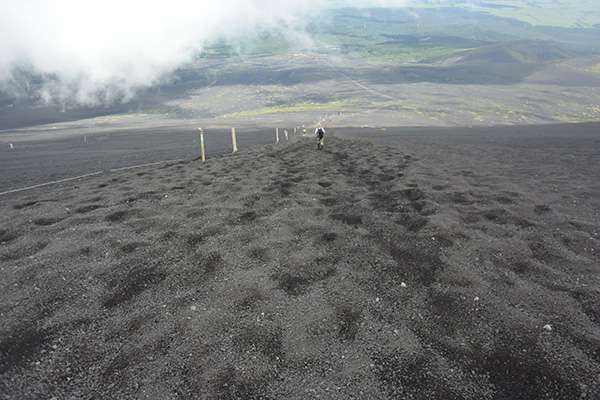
(422, 254)
(400, 263)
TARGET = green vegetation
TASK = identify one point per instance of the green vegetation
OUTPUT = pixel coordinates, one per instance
(289, 108)
(403, 54)
(261, 44)
(594, 69)
(560, 13)
(575, 119)
(427, 35)
(388, 35)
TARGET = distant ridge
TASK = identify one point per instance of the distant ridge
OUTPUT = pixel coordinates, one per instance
(514, 52)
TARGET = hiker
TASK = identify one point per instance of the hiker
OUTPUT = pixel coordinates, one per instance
(319, 133)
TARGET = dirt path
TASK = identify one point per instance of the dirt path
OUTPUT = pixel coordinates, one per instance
(360, 85)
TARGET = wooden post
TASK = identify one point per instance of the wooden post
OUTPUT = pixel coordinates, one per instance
(276, 135)
(286, 134)
(233, 139)
(202, 143)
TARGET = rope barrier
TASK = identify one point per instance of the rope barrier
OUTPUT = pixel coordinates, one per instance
(87, 176)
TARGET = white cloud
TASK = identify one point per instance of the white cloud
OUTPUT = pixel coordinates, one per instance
(95, 52)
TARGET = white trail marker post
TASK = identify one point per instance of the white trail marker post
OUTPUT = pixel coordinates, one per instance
(202, 143)
(235, 149)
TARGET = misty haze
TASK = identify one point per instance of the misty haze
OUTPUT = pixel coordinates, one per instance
(171, 228)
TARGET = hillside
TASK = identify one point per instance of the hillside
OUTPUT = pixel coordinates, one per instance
(515, 52)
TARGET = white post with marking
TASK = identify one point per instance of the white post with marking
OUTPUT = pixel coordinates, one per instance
(202, 143)
(235, 149)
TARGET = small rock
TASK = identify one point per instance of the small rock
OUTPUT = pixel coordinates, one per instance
(476, 299)
(193, 308)
(547, 328)
(403, 284)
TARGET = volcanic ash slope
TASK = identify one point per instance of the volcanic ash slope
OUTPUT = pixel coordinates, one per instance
(372, 269)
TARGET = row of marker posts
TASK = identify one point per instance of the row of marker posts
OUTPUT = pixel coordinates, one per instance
(284, 131)
(234, 141)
